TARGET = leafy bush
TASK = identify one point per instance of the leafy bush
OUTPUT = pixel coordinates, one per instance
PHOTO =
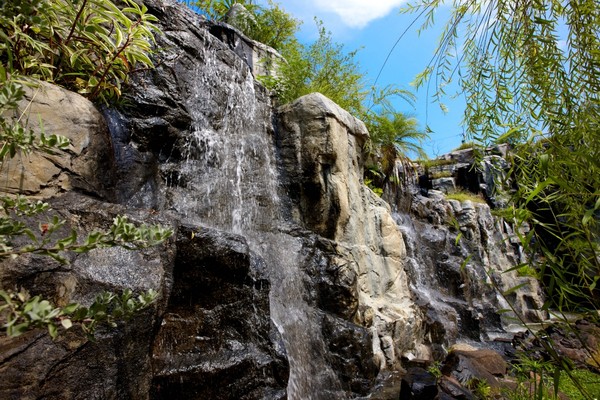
(467, 145)
(325, 67)
(89, 46)
(270, 24)
(20, 312)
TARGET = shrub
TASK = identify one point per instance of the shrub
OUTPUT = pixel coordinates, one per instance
(89, 46)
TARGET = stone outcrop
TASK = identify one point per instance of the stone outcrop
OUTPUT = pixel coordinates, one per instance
(115, 365)
(475, 170)
(87, 165)
(459, 257)
(321, 149)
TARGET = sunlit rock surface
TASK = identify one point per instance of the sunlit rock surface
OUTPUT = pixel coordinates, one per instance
(322, 151)
(52, 110)
(286, 277)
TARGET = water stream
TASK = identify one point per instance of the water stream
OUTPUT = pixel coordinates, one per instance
(228, 181)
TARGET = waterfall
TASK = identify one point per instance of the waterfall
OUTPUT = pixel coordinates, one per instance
(228, 180)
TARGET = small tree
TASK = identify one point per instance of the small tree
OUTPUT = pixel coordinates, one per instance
(325, 67)
(393, 136)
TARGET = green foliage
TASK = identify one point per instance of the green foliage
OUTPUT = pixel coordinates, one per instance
(545, 379)
(216, 10)
(467, 145)
(440, 174)
(325, 67)
(435, 369)
(558, 196)
(437, 162)
(518, 74)
(270, 24)
(480, 388)
(42, 241)
(527, 86)
(377, 190)
(89, 46)
(464, 196)
(20, 312)
(393, 136)
(578, 379)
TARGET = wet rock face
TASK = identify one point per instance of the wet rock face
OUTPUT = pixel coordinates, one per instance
(34, 366)
(459, 255)
(215, 340)
(194, 142)
(418, 384)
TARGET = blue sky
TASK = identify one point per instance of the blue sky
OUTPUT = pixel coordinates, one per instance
(373, 26)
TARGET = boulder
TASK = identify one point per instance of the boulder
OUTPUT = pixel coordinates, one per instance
(88, 163)
(418, 384)
(321, 149)
(475, 365)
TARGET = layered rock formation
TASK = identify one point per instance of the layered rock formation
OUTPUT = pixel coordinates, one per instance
(321, 148)
(286, 278)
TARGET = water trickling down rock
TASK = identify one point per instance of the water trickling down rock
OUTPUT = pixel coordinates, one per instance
(287, 277)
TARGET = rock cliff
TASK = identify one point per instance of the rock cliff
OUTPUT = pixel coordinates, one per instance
(287, 277)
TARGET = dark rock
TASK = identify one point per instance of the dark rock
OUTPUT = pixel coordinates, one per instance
(34, 366)
(418, 384)
(352, 354)
(490, 360)
(215, 340)
(578, 342)
(333, 283)
(454, 390)
(476, 365)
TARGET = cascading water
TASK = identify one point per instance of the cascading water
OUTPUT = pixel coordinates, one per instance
(454, 268)
(228, 181)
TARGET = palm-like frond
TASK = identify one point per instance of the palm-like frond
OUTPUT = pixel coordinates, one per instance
(394, 137)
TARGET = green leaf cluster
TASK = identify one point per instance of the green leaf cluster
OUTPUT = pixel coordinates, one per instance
(393, 135)
(19, 235)
(19, 312)
(270, 24)
(89, 46)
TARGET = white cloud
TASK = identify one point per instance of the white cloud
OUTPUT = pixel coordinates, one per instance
(358, 13)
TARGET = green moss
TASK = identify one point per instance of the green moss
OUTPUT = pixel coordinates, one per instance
(467, 145)
(527, 270)
(377, 190)
(441, 174)
(463, 196)
(438, 162)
